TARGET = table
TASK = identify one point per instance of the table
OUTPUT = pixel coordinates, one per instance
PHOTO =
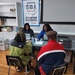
(40, 45)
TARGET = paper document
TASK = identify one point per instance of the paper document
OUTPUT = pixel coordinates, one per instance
(27, 36)
(39, 42)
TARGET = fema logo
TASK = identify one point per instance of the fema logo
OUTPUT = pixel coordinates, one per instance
(30, 6)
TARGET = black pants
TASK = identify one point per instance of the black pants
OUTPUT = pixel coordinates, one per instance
(36, 70)
(35, 48)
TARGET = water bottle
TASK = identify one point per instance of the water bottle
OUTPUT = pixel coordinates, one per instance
(32, 39)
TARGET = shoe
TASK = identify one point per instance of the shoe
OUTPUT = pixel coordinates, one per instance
(28, 69)
(19, 68)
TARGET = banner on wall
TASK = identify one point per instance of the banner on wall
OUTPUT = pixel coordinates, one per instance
(31, 12)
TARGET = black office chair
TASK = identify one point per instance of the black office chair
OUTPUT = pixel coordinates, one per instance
(59, 70)
(15, 61)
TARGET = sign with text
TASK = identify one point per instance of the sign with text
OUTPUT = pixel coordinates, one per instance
(31, 12)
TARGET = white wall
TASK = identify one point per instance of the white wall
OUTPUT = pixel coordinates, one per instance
(61, 29)
(10, 0)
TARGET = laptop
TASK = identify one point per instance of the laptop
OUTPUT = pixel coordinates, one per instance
(45, 38)
(27, 36)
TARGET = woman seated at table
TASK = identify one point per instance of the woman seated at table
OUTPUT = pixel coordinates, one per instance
(19, 47)
(46, 28)
(28, 30)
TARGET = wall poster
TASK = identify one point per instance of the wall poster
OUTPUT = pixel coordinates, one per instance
(31, 11)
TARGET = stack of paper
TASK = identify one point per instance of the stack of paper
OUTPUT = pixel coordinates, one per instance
(39, 42)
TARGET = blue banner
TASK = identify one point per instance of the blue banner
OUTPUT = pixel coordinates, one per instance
(31, 11)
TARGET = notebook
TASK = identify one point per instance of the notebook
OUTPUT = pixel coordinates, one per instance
(45, 38)
(27, 36)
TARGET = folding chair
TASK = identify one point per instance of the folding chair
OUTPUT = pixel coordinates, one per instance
(58, 70)
(15, 61)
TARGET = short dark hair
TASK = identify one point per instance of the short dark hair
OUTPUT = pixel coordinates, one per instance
(51, 34)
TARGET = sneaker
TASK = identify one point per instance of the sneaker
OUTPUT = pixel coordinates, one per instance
(19, 68)
(28, 69)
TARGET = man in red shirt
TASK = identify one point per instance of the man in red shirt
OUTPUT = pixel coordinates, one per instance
(50, 55)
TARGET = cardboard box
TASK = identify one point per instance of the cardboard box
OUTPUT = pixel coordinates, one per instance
(1, 21)
(3, 45)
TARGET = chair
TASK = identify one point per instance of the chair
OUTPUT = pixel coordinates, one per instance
(59, 70)
(15, 61)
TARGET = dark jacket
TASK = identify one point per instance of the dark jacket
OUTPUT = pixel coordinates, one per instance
(30, 31)
(50, 55)
(22, 50)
